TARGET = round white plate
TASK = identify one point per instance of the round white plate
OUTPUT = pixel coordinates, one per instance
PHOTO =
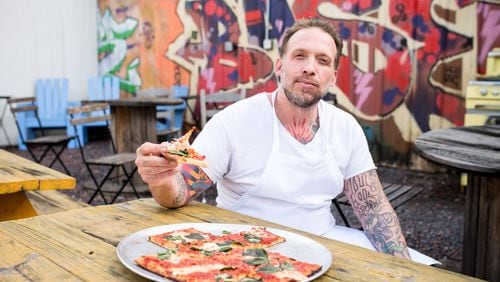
(296, 246)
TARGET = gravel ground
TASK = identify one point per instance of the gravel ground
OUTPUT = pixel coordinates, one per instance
(432, 221)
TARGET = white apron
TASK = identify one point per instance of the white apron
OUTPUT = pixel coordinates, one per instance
(296, 190)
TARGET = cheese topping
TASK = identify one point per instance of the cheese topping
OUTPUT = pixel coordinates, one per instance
(293, 274)
(197, 268)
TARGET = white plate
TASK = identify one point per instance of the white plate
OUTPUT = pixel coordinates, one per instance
(296, 246)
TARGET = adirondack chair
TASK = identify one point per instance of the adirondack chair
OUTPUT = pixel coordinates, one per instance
(52, 100)
(98, 88)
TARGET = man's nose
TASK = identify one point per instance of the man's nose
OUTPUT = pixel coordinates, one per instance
(309, 67)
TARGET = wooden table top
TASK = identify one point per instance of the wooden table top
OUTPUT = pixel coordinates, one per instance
(81, 245)
(469, 148)
(139, 101)
(20, 174)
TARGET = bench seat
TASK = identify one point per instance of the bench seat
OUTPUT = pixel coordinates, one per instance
(52, 201)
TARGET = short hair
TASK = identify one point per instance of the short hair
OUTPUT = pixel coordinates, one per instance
(322, 24)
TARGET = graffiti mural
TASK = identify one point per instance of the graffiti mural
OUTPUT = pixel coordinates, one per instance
(404, 69)
(132, 39)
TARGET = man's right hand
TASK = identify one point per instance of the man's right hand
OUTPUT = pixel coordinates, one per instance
(155, 168)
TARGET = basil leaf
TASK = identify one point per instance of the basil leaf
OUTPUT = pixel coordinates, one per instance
(173, 238)
(195, 236)
(256, 261)
(252, 238)
(268, 268)
(207, 253)
(226, 232)
(180, 153)
(227, 243)
(287, 266)
(166, 254)
(255, 253)
(225, 249)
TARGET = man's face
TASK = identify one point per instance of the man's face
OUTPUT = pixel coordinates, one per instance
(306, 68)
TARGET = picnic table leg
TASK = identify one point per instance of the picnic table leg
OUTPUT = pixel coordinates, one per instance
(15, 206)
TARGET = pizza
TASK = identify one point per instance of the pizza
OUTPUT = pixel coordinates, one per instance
(184, 152)
(193, 255)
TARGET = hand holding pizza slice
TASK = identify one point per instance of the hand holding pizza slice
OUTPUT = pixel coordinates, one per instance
(183, 151)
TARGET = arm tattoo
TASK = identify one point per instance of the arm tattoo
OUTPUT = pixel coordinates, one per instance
(375, 213)
(180, 198)
(195, 181)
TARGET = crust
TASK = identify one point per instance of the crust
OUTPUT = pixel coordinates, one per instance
(192, 161)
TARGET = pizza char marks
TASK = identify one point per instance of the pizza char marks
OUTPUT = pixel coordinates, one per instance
(194, 255)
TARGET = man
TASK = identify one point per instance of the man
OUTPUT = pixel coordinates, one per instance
(284, 156)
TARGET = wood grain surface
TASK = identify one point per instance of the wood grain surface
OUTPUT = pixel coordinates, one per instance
(81, 245)
(469, 148)
(21, 174)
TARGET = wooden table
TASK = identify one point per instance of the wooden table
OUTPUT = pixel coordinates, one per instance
(475, 150)
(81, 245)
(18, 175)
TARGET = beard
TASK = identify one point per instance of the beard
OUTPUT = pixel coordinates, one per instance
(303, 101)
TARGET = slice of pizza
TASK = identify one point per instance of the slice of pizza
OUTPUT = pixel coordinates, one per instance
(181, 237)
(182, 266)
(185, 153)
(260, 236)
(272, 266)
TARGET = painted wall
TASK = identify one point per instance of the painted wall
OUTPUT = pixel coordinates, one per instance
(405, 67)
(45, 39)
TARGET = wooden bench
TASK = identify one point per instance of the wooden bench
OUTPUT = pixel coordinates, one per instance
(52, 201)
(397, 195)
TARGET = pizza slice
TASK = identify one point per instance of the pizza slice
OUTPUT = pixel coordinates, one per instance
(184, 152)
(181, 267)
(272, 266)
(260, 236)
(181, 237)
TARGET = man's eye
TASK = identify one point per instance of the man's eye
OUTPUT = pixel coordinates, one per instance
(324, 61)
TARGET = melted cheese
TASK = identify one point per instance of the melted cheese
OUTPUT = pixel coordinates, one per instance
(197, 268)
(293, 274)
(209, 247)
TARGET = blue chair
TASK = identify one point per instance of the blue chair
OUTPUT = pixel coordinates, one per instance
(51, 99)
(165, 126)
(98, 89)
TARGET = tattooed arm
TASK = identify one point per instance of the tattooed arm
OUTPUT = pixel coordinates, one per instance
(171, 186)
(183, 186)
(376, 214)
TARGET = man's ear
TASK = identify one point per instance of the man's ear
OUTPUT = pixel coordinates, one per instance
(334, 79)
(278, 67)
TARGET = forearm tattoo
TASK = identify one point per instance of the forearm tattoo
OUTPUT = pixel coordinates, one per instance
(194, 182)
(180, 198)
(375, 213)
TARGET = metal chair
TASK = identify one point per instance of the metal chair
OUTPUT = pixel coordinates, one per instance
(20, 107)
(87, 115)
